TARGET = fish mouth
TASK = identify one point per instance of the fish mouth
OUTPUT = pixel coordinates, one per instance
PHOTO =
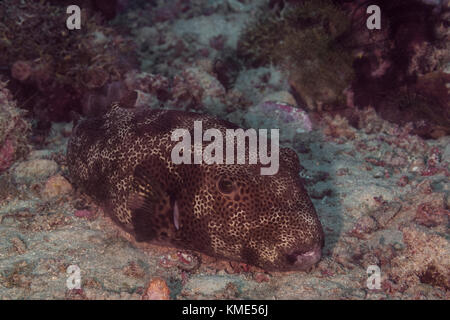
(305, 260)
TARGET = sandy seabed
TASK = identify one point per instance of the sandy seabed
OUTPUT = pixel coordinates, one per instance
(381, 194)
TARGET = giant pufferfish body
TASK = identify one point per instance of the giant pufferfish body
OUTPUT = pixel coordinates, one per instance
(123, 161)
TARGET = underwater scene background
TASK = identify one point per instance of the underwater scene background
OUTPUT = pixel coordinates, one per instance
(362, 99)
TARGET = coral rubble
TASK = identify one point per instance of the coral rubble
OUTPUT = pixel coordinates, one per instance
(14, 129)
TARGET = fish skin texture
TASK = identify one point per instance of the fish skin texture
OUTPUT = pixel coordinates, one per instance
(122, 160)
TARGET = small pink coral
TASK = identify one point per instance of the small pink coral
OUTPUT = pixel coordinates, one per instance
(338, 127)
(431, 216)
(186, 92)
(83, 214)
(6, 155)
(286, 113)
(403, 181)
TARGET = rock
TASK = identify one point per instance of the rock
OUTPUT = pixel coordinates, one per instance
(261, 277)
(431, 215)
(56, 186)
(236, 6)
(280, 96)
(387, 237)
(447, 68)
(446, 153)
(14, 129)
(6, 155)
(157, 290)
(425, 259)
(386, 212)
(363, 226)
(147, 36)
(208, 285)
(289, 119)
(39, 154)
(19, 245)
(37, 169)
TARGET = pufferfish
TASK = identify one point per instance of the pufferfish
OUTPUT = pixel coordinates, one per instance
(122, 160)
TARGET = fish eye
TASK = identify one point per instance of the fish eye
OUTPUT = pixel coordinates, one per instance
(225, 185)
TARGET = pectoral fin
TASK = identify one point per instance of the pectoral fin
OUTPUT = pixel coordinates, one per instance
(151, 207)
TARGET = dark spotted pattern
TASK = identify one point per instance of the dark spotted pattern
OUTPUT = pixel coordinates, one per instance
(123, 160)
